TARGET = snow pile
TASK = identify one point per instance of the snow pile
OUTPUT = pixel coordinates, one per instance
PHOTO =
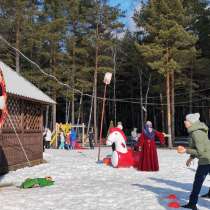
(81, 183)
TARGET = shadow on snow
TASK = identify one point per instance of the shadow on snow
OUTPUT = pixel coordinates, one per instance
(183, 195)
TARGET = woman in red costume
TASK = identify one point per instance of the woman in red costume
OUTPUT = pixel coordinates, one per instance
(148, 160)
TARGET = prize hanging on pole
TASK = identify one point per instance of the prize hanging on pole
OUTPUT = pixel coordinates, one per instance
(107, 80)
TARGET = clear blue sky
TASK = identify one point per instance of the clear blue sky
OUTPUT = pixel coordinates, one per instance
(125, 4)
(128, 6)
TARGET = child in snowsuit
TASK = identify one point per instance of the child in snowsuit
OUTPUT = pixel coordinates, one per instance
(62, 140)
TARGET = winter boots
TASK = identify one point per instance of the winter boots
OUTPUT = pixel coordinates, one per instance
(207, 195)
(194, 207)
(190, 206)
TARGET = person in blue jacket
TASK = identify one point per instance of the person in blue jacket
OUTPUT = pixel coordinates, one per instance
(73, 136)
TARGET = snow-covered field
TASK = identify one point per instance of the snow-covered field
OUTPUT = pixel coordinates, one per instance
(82, 184)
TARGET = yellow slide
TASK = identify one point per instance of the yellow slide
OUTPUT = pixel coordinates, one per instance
(53, 138)
(64, 127)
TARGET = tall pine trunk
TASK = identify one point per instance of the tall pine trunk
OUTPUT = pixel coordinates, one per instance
(172, 108)
(168, 109)
(90, 114)
(146, 99)
(80, 107)
(132, 108)
(95, 87)
(191, 89)
(154, 115)
(162, 112)
(47, 116)
(141, 99)
(54, 93)
(17, 56)
(73, 78)
(54, 114)
(114, 91)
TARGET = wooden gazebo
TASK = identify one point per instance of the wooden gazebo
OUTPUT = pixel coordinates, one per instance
(25, 105)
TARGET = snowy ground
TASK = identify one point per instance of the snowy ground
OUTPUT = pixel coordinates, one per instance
(81, 183)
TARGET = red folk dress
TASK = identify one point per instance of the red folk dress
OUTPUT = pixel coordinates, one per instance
(148, 160)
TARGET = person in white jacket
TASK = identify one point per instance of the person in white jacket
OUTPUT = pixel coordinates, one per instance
(48, 138)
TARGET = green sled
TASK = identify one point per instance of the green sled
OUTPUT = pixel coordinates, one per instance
(37, 182)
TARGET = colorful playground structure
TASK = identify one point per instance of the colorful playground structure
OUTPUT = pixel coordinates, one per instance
(65, 128)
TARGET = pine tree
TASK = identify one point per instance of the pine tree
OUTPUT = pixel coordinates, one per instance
(52, 31)
(13, 22)
(166, 42)
(102, 22)
(77, 47)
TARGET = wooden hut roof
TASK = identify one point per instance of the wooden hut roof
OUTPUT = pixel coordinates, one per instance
(18, 85)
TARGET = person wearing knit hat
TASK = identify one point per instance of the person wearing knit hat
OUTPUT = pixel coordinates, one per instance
(192, 118)
(199, 147)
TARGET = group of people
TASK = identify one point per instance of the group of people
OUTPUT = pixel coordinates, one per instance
(67, 141)
(199, 147)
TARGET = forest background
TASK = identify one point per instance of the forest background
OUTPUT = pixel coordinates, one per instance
(160, 69)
